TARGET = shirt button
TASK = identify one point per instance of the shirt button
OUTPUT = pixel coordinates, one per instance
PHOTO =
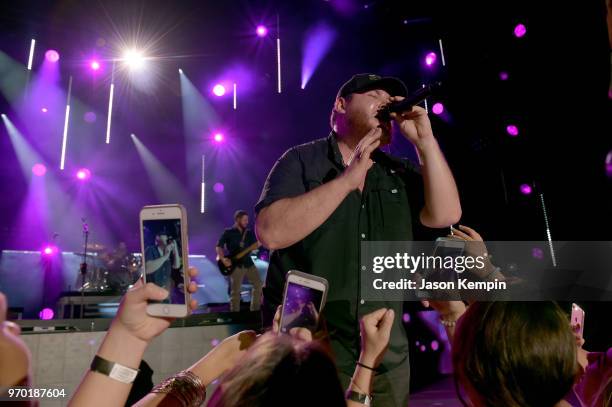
(363, 206)
(363, 235)
(362, 301)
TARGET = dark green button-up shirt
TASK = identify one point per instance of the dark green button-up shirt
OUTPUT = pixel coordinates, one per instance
(386, 210)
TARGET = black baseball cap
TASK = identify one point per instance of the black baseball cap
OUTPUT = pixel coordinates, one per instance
(364, 82)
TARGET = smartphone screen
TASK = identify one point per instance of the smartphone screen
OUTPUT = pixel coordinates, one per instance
(301, 307)
(162, 257)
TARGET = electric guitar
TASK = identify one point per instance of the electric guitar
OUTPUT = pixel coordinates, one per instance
(228, 270)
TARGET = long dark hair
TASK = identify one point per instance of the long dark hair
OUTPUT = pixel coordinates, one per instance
(281, 371)
(508, 354)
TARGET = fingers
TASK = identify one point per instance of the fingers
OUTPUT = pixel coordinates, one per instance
(373, 318)
(471, 232)
(148, 292)
(302, 334)
(193, 304)
(11, 327)
(276, 320)
(387, 321)
(3, 308)
(425, 303)
(193, 272)
(458, 233)
(368, 150)
(193, 287)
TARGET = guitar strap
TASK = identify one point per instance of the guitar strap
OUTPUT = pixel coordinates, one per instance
(243, 237)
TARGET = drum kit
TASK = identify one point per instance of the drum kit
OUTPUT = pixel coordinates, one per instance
(108, 271)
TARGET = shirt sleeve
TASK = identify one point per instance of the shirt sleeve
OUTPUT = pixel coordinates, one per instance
(285, 180)
(222, 240)
(416, 195)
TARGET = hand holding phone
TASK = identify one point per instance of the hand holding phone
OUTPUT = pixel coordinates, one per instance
(303, 301)
(163, 234)
(577, 320)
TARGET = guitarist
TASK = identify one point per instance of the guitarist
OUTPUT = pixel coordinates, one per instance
(235, 240)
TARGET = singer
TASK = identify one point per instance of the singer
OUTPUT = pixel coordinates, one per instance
(323, 198)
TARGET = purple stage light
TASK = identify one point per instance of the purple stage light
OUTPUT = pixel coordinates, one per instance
(261, 31)
(49, 250)
(95, 65)
(520, 30)
(609, 164)
(52, 55)
(39, 169)
(219, 90)
(219, 138)
(435, 345)
(89, 117)
(218, 187)
(430, 58)
(83, 174)
(214, 342)
(406, 317)
(512, 130)
(526, 189)
(46, 313)
(423, 348)
(44, 110)
(503, 76)
(537, 253)
(437, 108)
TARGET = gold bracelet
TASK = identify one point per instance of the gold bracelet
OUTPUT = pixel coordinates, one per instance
(184, 386)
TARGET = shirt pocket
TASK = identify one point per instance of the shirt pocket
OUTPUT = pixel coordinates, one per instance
(392, 209)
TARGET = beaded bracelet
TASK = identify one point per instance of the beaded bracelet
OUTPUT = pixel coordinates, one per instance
(184, 386)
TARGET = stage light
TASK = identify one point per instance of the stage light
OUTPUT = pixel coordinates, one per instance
(609, 164)
(218, 187)
(52, 55)
(44, 110)
(437, 108)
(39, 169)
(219, 138)
(31, 57)
(520, 30)
(46, 314)
(423, 348)
(526, 189)
(214, 342)
(512, 130)
(219, 90)
(95, 65)
(537, 253)
(435, 345)
(83, 174)
(261, 31)
(49, 250)
(89, 117)
(133, 59)
(180, 71)
(430, 58)
(235, 96)
(406, 317)
(503, 76)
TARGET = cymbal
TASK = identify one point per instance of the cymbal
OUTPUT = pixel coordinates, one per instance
(95, 247)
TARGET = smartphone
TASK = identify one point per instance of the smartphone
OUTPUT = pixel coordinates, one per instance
(577, 319)
(303, 301)
(163, 237)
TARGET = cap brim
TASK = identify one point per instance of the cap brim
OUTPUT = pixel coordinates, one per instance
(389, 84)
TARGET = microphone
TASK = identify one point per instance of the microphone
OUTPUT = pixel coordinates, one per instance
(85, 226)
(406, 104)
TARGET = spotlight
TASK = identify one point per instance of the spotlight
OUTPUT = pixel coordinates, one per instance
(95, 65)
(430, 58)
(503, 76)
(39, 169)
(133, 59)
(214, 342)
(406, 317)
(52, 55)
(261, 31)
(520, 30)
(526, 189)
(219, 138)
(83, 174)
(44, 110)
(219, 90)
(437, 108)
(609, 164)
(435, 345)
(512, 130)
(49, 250)
(46, 313)
(537, 253)
(180, 71)
(218, 187)
(90, 117)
